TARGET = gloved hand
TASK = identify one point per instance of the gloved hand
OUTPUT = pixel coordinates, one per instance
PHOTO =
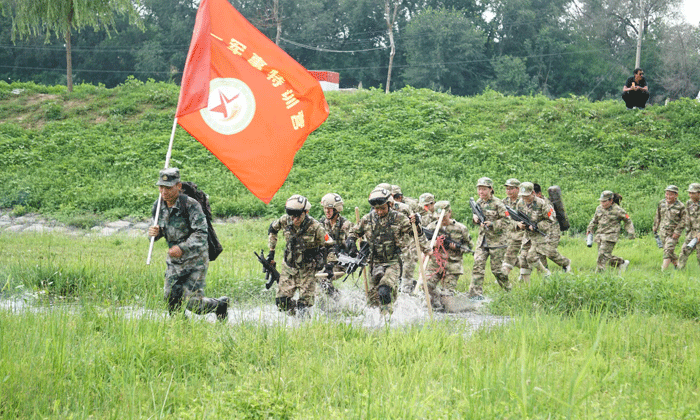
(351, 246)
(271, 257)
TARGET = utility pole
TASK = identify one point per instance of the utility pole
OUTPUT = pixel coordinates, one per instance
(637, 61)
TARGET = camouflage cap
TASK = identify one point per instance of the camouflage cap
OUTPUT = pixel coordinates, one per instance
(694, 187)
(526, 188)
(443, 205)
(484, 182)
(425, 199)
(396, 190)
(168, 177)
(606, 195)
(512, 182)
(672, 188)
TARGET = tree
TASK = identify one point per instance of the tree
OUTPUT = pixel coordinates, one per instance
(680, 50)
(445, 51)
(61, 17)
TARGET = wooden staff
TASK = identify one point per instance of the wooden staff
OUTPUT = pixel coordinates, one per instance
(364, 272)
(421, 271)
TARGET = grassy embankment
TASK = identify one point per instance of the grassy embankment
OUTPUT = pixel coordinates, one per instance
(579, 346)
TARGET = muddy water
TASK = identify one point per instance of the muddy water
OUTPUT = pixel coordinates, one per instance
(349, 308)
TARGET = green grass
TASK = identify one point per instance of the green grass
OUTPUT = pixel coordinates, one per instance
(98, 150)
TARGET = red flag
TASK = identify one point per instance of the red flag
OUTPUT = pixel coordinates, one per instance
(246, 100)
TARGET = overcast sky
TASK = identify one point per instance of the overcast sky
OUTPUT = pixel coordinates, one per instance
(691, 10)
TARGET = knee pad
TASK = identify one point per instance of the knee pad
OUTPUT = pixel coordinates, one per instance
(384, 293)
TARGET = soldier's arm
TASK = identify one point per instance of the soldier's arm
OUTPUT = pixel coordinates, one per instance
(627, 221)
(275, 227)
(681, 224)
(657, 219)
(197, 241)
(592, 225)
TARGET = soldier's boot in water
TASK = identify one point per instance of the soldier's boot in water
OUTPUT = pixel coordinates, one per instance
(285, 304)
(384, 293)
(222, 308)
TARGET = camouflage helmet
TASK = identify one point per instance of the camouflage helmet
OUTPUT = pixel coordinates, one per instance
(425, 199)
(332, 200)
(672, 188)
(384, 185)
(512, 182)
(379, 196)
(606, 195)
(526, 188)
(484, 182)
(396, 190)
(694, 187)
(443, 205)
(296, 205)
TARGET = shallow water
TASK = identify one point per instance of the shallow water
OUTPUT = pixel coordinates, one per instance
(349, 308)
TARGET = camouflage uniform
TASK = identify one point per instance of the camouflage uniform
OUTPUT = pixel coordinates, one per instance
(446, 264)
(551, 241)
(495, 238)
(542, 215)
(692, 225)
(606, 225)
(669, 220)
(515, 236)
(302, 259)
(187, 228)
(409, 257)
(387, 236)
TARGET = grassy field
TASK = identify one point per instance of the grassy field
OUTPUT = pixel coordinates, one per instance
(93, 341)
(84, 332)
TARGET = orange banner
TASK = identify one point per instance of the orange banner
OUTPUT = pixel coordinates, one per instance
(246, 100)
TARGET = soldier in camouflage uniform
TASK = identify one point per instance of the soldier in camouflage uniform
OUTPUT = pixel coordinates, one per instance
(669, 222)
(303, 254)
(491, 242)
(445, 265)
(541, 214)
(409, 257)
(692, 225)
(426, 208)
(387, 232)
(337, 228)
(412, 203)
(185, 230)
(553, 231)
(512, 257)
(606, 225)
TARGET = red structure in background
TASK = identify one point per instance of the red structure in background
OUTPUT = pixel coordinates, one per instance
(328, 79)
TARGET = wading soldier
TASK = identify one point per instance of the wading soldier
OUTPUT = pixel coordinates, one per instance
(515, 236)
(669, 222)
(606, 225)
(182, 223)
(445, 266)
(540, 214)
(337, 228)
(303, 255)
(692, 225)
(387, 232)
(409, 257)
(491, 241)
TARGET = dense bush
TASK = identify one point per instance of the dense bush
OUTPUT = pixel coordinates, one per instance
(98, 150)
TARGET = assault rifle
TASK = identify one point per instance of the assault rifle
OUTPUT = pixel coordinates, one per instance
(479, 213)
(429, 234)
(271, 274)
(351, 264)
(521, 217)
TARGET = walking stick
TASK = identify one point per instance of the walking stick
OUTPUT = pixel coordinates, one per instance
(424, 264)
(421, 271)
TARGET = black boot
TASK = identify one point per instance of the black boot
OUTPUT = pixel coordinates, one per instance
(285, 303)
(222, 308)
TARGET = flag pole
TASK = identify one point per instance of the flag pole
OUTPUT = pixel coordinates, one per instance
(167, 162)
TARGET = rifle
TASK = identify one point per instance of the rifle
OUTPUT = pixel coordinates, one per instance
(476, 209)
(521, 217)
(351, 264)
(271, 274)
(448, 241)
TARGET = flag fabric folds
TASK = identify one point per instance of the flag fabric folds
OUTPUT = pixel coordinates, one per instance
(246, 100)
